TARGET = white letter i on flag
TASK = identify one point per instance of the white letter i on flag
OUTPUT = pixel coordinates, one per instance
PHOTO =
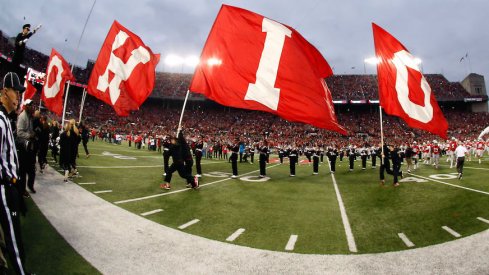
(263, 91)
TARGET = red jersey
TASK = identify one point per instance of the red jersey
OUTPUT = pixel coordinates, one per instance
(435, 149)
(480, 145)
(453, 146)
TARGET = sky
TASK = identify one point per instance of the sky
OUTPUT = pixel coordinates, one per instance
(439, 32)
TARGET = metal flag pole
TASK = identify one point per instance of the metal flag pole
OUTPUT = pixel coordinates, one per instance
(73, 65)
(82, 103)
(183, 110)
(381, 133)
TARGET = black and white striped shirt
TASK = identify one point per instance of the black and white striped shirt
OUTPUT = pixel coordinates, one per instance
(8, 161)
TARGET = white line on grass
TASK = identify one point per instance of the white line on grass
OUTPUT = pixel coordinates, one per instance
(468, 167)
(86, 183)
(151, 212)
(291, 243)
(183, 226)
(453, 185)
(405, 239)
(235, 235)
(183, 190)
(346, 223)
(133, 166)
(483, 220)
(102, 191)
(451, 231)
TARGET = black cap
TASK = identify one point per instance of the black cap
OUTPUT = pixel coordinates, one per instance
(26, 26)
(11, 80)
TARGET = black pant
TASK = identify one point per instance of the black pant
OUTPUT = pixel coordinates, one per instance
(374, 160)
(85, 142)
(27, 169)
(198, 158)
(315, 164)
(263, 165)
(385, 166)
(460, 164)
(166, 160)
(352, 159)
(332, 162)
(183, 171)
(252, 157)
(240, 157)
(364, 162)
(10, 222)
(234, 163)
(292, 161)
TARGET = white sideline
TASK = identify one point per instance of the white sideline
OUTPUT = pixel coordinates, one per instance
(451, 231)
(235, 235)
(405, 239)
(86, 183)
(192, 222)
(121, 242)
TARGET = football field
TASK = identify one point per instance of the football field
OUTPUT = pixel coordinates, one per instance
(344, 213)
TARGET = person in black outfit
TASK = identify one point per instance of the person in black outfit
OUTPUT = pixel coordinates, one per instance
(351, 156)
(293, 157)
(85, 136)
(332, 154)
(315, 160)
(263, 158)
(65, 150)
(281, 154)
(166, 155)
(390, 154)
(374, 152)
(11, 201)
(396, 157)
(180, 153)
(43, 143)
(234, 158)
(20, 42)
(75, 140)
(363, 156)
(198, 157)
(27, 141)
(53, 143)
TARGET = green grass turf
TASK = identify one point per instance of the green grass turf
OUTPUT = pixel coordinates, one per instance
(305, 205)
(45, 249)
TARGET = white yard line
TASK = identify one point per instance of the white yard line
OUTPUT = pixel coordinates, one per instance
(192, 222)
(183, 190)
(453, 185)
(151, 212)
(102, 191)
(352, 246)
(235, 235)
(291, 243)
(451, 231)
(87, 183)
(129, 166)
(483, 220)
(405, 239)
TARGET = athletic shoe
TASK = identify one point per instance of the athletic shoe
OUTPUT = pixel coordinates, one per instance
(292, 175)
(165, 186)
(198, 175)
(234, 176)
(26, 195)
(196, 182)
(459, 176)
(382, 182)
(262, 176)
(396, 184)
(189, 185)
(314, 173)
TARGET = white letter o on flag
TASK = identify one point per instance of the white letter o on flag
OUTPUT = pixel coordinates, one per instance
(401, 60)
(52, 91)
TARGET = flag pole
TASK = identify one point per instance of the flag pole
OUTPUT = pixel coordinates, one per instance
(183, 110)
(381, 133)
(82, 103)
(76, 57)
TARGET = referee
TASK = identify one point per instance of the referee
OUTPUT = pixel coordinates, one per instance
(9, 206)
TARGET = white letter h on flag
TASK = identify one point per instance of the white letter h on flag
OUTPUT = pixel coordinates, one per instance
(122, 71)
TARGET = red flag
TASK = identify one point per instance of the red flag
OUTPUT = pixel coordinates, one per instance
(403, 90)
(124, 74)
(30, 90)
(252, 62)
(57, 73)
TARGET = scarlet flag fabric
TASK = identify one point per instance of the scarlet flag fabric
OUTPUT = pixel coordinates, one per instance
(124, 73)
(403, 90)
(57, 73)
(252, 62)
(30, 90)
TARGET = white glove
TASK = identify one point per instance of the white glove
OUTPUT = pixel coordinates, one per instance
(38, 27)
(24, 41)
